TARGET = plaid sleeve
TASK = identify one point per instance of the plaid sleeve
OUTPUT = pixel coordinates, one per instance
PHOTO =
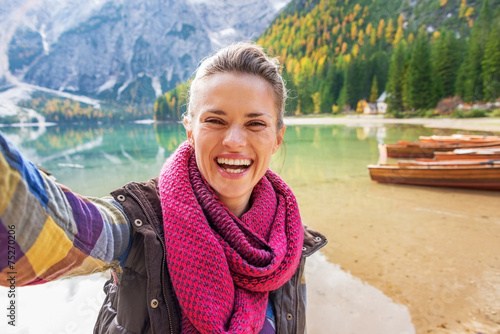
(47, 232)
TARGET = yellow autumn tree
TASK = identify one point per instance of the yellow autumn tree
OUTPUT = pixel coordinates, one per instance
(366, 11)
(354, 31)
(344, 48)
(469, 12)
(401, 20)
(462, 9)
(399, 35)
(380, 29)
(316, 102)
(339, 39)
(411, 37)
(361, 38)
(310, 46)
(373, 37)
(368, 29)
(362, 104)
(335, 29)
(355, 50)
(389, 31)
(435, 36)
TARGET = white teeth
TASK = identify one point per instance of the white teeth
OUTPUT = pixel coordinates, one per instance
(234, 171)
(242, 163)
(234, 162)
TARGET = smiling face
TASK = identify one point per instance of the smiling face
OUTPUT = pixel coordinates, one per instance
(234, 134)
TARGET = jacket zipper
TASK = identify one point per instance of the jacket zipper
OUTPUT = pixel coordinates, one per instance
(163, 260)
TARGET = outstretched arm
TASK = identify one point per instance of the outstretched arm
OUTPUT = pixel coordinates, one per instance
(48, 232)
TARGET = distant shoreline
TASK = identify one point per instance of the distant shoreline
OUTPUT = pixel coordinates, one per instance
(487, 124)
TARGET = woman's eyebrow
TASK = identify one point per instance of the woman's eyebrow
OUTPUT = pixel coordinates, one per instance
(215, 111)
(249, 115)
(257, 114)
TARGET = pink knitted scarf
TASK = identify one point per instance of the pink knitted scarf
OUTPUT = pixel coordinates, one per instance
(223, 267)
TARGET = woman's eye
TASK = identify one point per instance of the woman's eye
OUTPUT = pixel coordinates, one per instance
(256, 124)
(213, 121)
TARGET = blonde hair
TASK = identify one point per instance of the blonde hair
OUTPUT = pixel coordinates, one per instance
(247, 58)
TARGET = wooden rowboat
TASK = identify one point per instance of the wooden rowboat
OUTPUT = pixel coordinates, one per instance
(486, 153)
(459, 138)
(483, 175)
(417, 149)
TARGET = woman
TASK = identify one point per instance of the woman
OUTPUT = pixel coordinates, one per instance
(215, 243)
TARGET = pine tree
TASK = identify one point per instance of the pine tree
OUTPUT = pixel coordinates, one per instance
(482, 25)
(470, 81)
(491, 66)
(399, 35)
(343, 98)
(305, 92)
(379, 67)
(420, 74)
(437, 89)
(396, 79)
(291, 102)
(355, 83)
(327, 90)
(446, 61)
(338, 81)
(374, 91)
(389, 31)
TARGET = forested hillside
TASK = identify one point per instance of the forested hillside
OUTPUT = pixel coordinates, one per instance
(338, 52)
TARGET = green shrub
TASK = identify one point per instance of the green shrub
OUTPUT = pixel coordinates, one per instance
(468, 114)
(429, 113)
(398, 114)
(475, 113)
(495, 113)
(458, 113)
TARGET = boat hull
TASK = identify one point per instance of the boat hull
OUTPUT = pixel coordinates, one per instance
(485, 177)
(458, 138)
(486, 153)
(426, 150)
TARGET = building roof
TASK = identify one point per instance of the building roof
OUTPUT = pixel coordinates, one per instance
(382, 97)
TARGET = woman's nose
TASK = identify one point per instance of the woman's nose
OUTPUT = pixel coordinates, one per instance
(234, 137)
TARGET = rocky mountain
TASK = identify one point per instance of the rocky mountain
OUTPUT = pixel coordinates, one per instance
(120, 50)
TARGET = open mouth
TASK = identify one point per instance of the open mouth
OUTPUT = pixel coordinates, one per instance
(234, 166)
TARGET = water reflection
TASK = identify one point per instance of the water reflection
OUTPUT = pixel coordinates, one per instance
(169, 135)
(81, 156)
(358, 308)
(327, 153)
(136, 138)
